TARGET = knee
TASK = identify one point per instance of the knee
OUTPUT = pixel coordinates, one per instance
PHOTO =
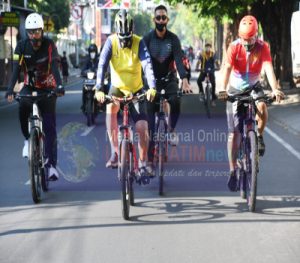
(112, 109)
(142, 128)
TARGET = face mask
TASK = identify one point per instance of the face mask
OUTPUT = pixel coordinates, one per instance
(36, 43)
(125, 42)
(160, 27)
(248, 45)
(93, 55)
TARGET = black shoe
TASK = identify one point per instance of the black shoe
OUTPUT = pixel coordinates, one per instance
(261, 145)
(232, 182)
(113, 161)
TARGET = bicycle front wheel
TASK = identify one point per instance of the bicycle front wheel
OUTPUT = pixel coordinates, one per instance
(161, 155)
(124, 178)
(252, 171)
(207, 101)
(35, 165)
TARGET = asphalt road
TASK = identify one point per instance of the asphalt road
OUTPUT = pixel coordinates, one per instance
(198, 220)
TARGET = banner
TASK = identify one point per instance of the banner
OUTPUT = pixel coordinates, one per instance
(109, 4)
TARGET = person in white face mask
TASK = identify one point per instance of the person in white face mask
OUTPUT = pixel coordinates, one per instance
(90, 65)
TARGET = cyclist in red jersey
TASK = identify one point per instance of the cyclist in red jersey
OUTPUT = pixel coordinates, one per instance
(246, 57)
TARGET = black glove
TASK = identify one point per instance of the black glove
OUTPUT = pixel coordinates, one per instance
(60, 91)
(9, 92)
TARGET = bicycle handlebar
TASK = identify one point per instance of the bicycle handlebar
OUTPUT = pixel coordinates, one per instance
(125, 100)
(35, 95)
(250, 98)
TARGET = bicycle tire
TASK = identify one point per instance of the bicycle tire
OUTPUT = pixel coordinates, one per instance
(34, 165)
(207, 101)
(131, 178)
(123, 170)
(161, 155)
(44, 180)
(253, 171)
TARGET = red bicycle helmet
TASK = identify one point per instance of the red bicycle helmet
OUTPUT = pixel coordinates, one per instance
(248, 27)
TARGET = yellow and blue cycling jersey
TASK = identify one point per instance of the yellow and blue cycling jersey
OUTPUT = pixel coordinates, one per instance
(126, 64)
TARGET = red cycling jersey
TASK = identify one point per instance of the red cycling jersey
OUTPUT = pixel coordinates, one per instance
(247, 67)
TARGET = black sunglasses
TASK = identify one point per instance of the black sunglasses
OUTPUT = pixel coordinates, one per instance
(34, 31)
(163, 18)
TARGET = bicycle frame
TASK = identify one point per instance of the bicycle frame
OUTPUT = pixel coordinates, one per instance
(247, 160)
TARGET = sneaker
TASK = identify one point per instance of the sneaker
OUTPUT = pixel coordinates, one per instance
(150, 169)
(113, 161)
(143, 172)
(261, 145)
(201, 96)
(232, 182)
(173, 139)
(52, 173)
(213, 103)
(25, 149)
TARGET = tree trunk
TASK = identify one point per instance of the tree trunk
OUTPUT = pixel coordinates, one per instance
(275, 18)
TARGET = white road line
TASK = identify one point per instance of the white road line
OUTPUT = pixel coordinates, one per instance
(283, 143)
(8, 105)
(73, 92)
(27, 183)
(87, 130)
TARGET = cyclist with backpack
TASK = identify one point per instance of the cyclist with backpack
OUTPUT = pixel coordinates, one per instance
(37, 57)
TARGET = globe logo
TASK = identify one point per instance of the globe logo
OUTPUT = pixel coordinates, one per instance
(78, 154)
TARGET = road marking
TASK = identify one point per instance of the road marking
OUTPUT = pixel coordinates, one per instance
(87, 130)
(73, 92)
(283, 143)
(27, 183)
(8, 105)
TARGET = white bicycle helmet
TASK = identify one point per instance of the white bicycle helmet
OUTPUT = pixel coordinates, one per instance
(34, 21)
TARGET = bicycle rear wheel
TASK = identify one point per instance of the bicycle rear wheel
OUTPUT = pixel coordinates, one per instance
(252, 171)
(35, 165)
(161, 155)
(124, 178)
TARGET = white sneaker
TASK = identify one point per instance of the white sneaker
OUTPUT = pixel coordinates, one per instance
(173, 138)
(53, 173)
(25, 149)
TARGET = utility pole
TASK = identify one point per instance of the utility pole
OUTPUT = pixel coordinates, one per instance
(25, 3)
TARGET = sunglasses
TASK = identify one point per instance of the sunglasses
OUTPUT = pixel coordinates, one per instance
(124, 36)
(163, 18)
(34, 31)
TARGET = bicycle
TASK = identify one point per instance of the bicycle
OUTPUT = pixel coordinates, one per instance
(161, 142)
(207, 95)
(128, 162)
(248, 157)
(36, 156)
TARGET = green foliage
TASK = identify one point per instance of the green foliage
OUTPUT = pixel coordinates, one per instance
(189, 27)
(142, 23)
(216, 8)
(59, 10)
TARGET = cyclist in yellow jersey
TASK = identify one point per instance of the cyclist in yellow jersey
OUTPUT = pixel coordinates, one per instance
(127, 55)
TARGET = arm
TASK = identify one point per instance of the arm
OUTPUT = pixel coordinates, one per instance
(105, 57)
(178, 56)
(145, 59)
(18, 59)
(272, 81)
(226, 75)
(54, 65)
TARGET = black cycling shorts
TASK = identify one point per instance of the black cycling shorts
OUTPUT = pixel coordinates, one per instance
(137, 110)
(236, 112)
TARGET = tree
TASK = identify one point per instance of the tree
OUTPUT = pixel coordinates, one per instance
(189, 27)
(142, 23)
(58, 10)
(275, 19)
